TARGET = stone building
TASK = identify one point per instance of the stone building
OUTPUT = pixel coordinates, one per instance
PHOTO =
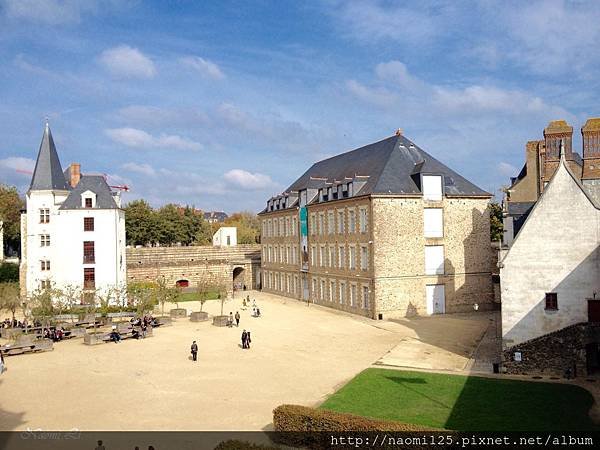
(541, 160)
(550, 278)
(73, 230)
(383, 231)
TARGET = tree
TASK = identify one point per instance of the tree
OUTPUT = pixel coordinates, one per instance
(496, 225)
(140, 223)
(142, 296)
(9, 272)
(248, 227)
(42, 303)
(71, 297)
(11, 205)
(170, 225)
(10, 297)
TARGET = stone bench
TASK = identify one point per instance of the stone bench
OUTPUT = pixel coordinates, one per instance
(30, 347)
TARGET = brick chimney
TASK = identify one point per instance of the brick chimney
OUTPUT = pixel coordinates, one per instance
(591, 149)
(556, 131)
(75, 171)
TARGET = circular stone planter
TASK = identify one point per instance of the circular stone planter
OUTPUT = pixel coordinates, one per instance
(178, 312)
(93, 339)
(164, 321)
(199, 316)
(220, 321)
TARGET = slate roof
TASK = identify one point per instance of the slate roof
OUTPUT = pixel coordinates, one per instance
(392, 165)
(48, 173)
(519, 208)
(220, 216)
(95, 183)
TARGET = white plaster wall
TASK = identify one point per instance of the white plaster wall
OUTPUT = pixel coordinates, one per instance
(556, 251)
(66, 244)
(220, 237)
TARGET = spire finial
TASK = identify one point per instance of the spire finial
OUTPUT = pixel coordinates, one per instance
(47, 124)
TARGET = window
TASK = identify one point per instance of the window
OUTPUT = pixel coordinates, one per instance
(365, 292)
(331, 256)
(364, 257)
(321, 223)
(313, 255)
(341, 257)
(88, 202)
(352, 258)
(313, 224)
(323, 257)
(363, 220)
(322, 297)
(314, 289)
(433, 222)
(45, 265)
(434, 260)
(332, 291)
(88, 252)
(340, 222)
(89, 278)
(352, 221)
(44, 215)
(353, 295)
(44, 240)
(432, 187)
(88, 224)
(45, 284)
(330, 222)
(552, 301)
(342, 293)
(294, 226)
(270, 257)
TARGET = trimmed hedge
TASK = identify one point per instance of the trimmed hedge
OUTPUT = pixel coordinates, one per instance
(301, 418)
(235, 444)
(9, 272)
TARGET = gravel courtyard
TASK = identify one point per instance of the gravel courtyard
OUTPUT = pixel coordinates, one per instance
(300, 354)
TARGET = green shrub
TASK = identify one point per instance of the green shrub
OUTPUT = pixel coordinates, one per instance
(235, 444)
(302, 418)
(9, 272)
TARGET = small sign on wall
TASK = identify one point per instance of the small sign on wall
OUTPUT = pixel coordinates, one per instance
(517, 357)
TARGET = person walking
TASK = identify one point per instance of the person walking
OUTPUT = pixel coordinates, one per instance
(194, 350)
(244, 335)
(1, 362)
(237, 318)
(230, 320)
(248, 340)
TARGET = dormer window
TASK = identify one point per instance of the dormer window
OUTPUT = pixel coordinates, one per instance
(88, 202)
(432, 187)
(88, 199)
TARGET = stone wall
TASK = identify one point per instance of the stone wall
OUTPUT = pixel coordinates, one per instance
(195, 263)
(399, 255)
(553, 353)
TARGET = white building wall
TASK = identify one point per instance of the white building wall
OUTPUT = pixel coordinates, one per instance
(556, 251)
(220, 237)
(67, 235)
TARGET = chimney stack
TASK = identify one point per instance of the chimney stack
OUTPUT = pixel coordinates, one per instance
(75, 171)
(590, 133)
(554, 133)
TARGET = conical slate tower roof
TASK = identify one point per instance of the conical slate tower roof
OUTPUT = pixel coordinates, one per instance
(48, 174)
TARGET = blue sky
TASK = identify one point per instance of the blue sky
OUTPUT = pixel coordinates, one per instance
(223, 104)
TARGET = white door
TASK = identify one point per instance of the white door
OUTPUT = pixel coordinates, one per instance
(436, 299)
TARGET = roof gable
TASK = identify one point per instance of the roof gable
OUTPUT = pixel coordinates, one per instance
(92, 183)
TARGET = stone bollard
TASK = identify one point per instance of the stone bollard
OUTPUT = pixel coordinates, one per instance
(198, 316)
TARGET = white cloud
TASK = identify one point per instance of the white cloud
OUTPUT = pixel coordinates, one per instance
(144, 169)
(203, 66)
(128, 62)
(375, 96)
(507, 170)
(52, 12)
(18, 164)
(132, 137)
(247, 180)
(371, 20)
(397, 72)
(157, 116)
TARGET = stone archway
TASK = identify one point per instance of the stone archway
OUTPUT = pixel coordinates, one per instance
(239, 278)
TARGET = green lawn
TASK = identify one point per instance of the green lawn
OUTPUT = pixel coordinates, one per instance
(464, 403)
(193, 296)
